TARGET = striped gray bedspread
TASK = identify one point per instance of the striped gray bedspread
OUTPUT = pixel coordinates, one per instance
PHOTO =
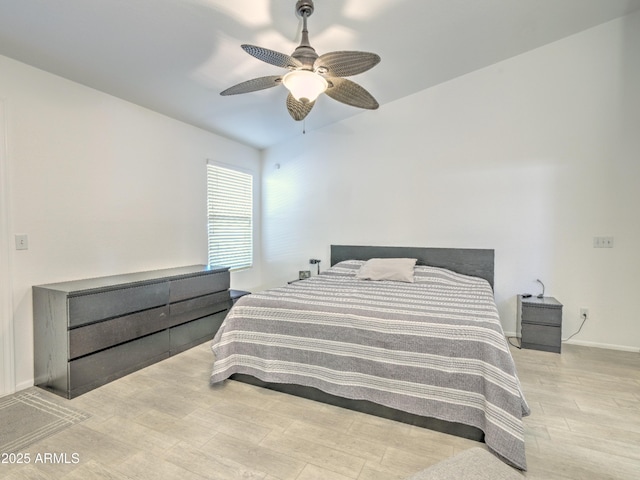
(433, 348)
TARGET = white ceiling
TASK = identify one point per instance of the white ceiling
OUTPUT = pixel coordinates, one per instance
(175, 56)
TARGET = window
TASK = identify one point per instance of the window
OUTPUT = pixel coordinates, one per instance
(230, 217)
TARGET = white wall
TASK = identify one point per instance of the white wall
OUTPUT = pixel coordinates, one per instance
(532, 157)
(101, 187)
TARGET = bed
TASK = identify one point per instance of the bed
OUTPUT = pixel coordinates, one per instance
(427, 350)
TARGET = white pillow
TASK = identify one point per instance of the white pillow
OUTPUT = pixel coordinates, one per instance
(398, 269)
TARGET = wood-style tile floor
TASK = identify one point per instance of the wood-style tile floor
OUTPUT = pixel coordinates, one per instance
(165, 422)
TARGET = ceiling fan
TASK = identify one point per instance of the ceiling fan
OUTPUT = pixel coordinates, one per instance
(311, 74)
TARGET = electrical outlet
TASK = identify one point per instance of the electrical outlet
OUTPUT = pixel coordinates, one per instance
(584, 313)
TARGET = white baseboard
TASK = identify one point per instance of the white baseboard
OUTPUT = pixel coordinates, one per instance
(24, 385)
(607, 346)
(582, 343)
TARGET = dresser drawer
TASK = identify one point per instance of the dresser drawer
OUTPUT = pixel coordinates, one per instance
(183, 288)
(194, 333)
(92, 307)
(194, 308)
(89, 372)
(101, 335)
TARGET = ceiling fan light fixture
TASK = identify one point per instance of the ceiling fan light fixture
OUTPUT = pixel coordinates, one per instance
(310, 75)
(305, 85)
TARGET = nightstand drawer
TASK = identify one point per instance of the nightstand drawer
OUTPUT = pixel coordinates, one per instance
(541, 315)
(541, 337)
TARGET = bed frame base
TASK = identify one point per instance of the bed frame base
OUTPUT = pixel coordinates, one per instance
(364, 406)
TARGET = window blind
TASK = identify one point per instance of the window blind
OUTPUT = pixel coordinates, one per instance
(230, 217)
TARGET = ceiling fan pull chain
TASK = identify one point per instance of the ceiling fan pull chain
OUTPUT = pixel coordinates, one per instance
(304, 126)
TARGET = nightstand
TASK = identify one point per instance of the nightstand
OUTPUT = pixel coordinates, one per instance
(236, 294)
(541, 323)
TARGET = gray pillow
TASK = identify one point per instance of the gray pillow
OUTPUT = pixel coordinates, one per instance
(397, 269)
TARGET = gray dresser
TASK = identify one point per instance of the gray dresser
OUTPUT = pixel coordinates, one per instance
(90, 332)
(540, 323)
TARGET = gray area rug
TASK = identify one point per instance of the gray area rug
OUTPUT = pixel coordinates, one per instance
(29, 416)
(473, 464)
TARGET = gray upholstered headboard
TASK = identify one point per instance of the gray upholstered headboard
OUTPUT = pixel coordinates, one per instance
(468, 261)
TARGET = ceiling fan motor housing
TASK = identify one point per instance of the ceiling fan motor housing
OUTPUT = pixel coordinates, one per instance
(307, 56)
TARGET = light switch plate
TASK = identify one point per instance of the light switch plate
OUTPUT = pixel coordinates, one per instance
(22, 242)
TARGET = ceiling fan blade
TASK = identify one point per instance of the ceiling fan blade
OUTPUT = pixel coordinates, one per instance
(346, 63)
(253, 85)
(351, 93)
(271, 56)
(298, 110)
